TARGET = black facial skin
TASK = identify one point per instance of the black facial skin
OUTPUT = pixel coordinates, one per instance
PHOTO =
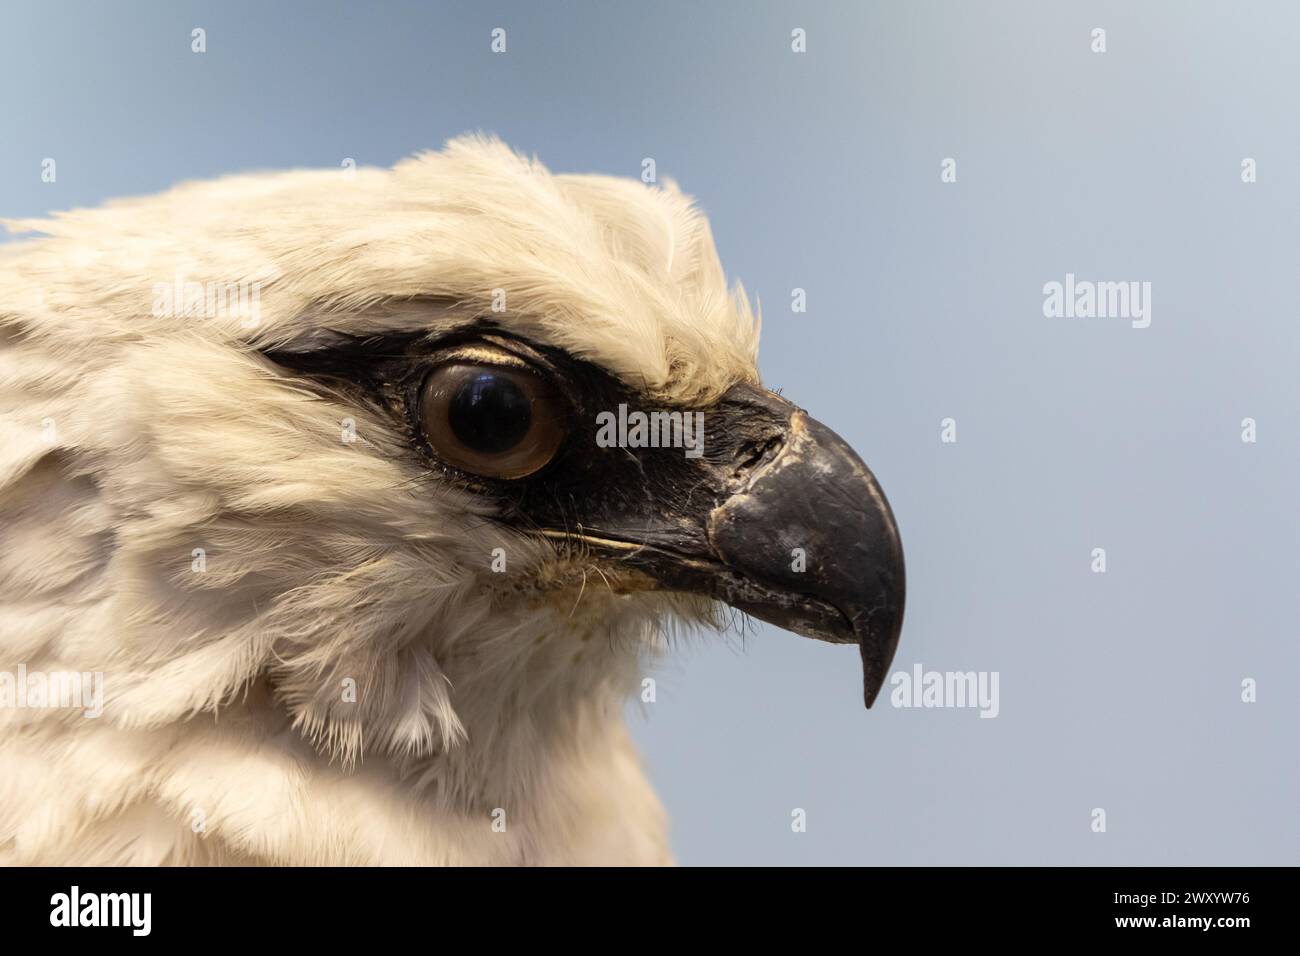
(726, 524)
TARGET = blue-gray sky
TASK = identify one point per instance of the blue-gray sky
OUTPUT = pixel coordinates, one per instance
(821, 171)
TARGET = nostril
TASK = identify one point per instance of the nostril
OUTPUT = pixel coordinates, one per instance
(752, 455)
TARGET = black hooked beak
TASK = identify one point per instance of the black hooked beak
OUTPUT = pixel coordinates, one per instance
(776, 515)
(813, 532)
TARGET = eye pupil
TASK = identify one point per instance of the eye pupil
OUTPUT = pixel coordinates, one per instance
(489, 413)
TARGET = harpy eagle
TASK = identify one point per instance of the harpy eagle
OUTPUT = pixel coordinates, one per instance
(304, 468)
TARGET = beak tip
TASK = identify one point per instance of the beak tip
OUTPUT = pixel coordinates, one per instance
(877, 650)
(873, 675)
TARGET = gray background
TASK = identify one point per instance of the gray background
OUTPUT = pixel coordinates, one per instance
(821, 171)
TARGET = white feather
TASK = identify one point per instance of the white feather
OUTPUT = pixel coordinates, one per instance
(131, 439)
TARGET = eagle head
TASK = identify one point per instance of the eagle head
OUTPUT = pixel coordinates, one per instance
(390, 472)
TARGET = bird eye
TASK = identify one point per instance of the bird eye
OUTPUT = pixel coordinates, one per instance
(493, 421)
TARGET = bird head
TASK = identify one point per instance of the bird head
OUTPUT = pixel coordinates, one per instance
(459, 436)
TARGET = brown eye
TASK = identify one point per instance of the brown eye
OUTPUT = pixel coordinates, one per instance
(490, 420)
